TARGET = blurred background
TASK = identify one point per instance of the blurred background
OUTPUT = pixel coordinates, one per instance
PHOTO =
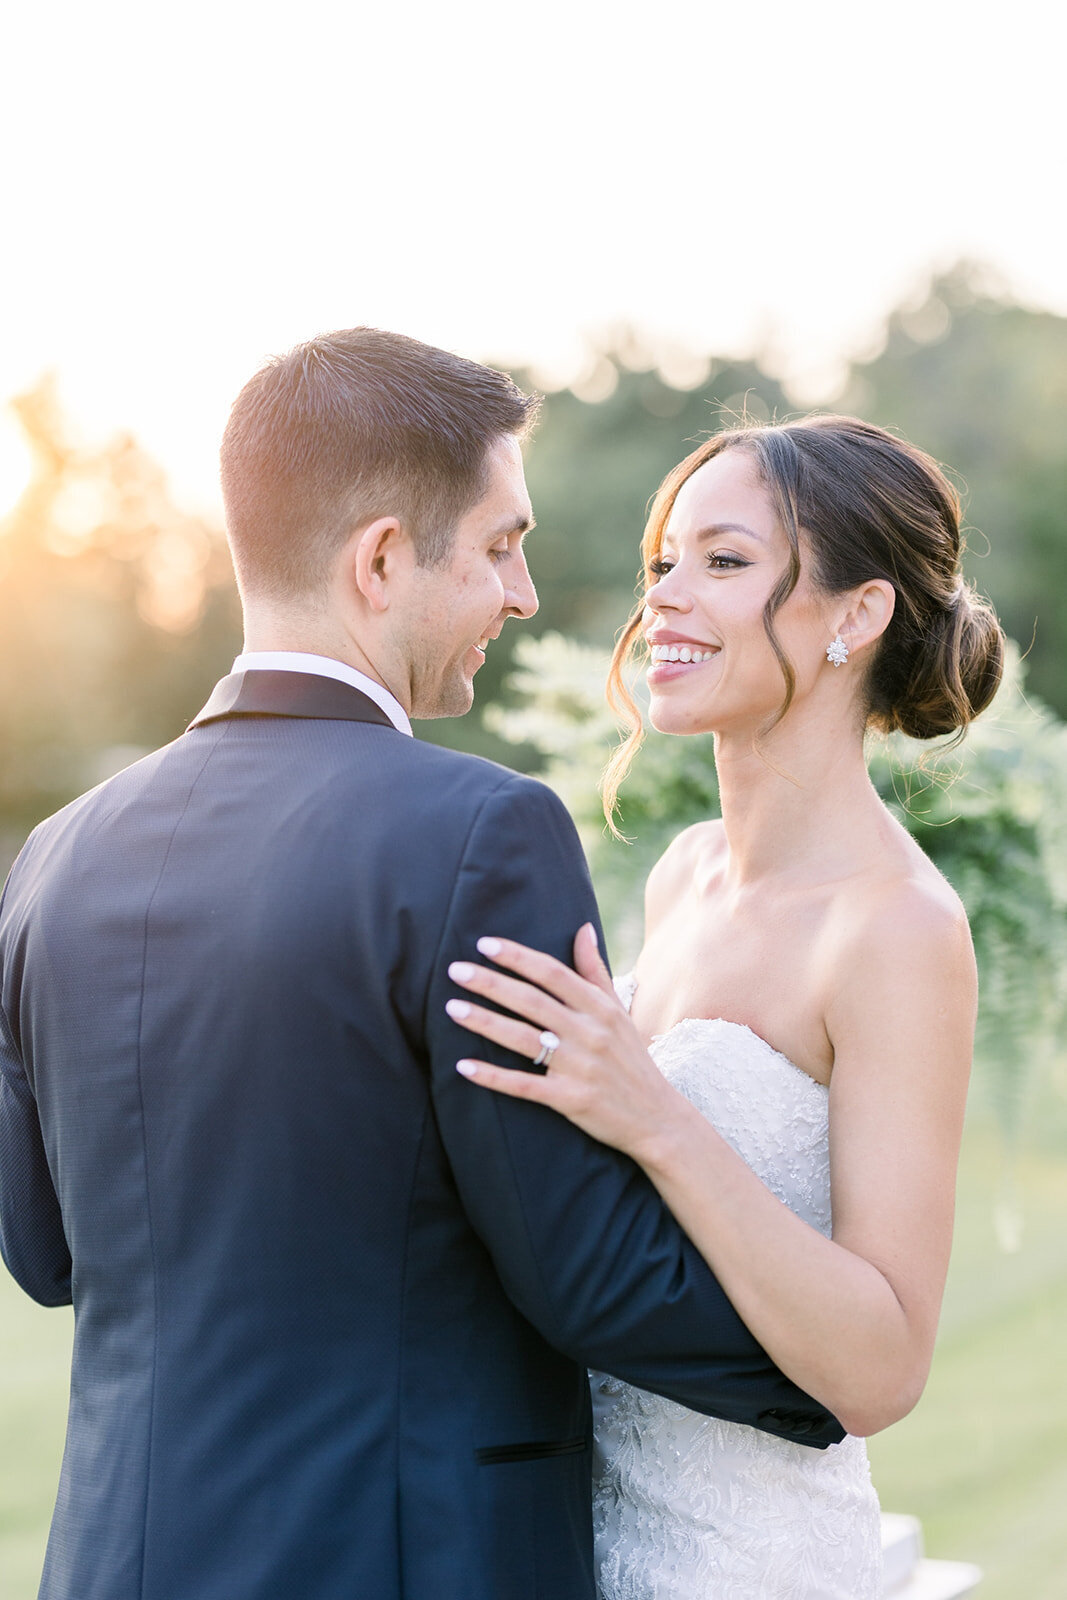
(661, 223)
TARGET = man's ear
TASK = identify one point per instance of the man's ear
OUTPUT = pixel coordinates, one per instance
(381, 552)
(869, 613)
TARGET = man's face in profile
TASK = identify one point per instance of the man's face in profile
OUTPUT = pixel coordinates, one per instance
(453, 611)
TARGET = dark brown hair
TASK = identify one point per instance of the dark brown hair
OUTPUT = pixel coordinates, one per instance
(869, 505)
(352, 426)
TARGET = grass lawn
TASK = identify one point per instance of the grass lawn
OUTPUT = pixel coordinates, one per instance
(983, 1460)
(34, 1366)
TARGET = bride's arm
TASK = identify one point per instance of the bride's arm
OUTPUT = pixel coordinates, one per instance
(850, 1319)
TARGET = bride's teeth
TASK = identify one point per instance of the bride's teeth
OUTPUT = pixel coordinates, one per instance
(685, 653)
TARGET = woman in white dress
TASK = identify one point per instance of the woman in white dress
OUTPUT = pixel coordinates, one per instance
(792, 1070)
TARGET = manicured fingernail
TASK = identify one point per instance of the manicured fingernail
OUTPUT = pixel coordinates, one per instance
(457, 1009)
(489, 947)
(461, 971)
(467, 1068)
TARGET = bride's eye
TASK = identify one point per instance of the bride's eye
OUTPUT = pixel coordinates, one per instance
(659, 568)
(721, 561)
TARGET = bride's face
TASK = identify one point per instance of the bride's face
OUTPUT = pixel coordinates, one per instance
(723, 553)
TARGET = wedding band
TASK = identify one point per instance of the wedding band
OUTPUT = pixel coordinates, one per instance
(549, 1046)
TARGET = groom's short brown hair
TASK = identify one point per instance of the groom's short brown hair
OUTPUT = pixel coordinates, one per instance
(352, 426)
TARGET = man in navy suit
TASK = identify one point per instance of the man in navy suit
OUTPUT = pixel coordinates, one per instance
(333, 1305)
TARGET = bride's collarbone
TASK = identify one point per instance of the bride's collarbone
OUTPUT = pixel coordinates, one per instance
(774, 990)
(766, 958)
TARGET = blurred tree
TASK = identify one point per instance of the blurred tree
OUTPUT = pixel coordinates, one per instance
(594, 467)
(981, 384)
(119, 612)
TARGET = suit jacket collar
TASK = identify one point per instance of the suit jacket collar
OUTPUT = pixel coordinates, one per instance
(289, 694)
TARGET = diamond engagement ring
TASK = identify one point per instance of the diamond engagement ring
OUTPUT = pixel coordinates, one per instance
(549, 1046)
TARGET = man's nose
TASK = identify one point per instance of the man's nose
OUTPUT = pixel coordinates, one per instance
(520, 598)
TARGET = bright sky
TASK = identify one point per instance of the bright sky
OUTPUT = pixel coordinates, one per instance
(190, 188)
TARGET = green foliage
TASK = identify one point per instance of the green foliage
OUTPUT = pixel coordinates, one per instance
(991, 815)
(118, 610)
(977, 381)
(990, 812)
(981, 384)
(592, 468)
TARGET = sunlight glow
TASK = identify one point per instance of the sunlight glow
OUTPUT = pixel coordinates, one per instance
(16, 463)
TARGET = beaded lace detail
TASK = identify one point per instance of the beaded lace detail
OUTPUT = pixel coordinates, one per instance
(688, 1507)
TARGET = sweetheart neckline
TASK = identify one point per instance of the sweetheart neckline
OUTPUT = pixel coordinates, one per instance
(725, 1022)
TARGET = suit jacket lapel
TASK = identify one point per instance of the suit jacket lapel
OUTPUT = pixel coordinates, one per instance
(289, 694)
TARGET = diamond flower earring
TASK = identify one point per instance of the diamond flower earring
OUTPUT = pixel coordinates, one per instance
(837, 651)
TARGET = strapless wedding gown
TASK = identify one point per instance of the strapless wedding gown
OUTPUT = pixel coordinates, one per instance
(687, 1507)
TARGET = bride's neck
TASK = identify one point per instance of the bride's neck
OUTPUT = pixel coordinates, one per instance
(795, 803)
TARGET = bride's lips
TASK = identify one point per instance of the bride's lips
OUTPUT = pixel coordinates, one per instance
(666, 671)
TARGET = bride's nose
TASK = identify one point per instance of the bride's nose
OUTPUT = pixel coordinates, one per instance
(668, 593)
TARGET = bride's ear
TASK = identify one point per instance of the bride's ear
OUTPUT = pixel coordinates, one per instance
(869, 613)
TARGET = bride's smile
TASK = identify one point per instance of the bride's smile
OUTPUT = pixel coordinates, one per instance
(670, 650)
(723, 555)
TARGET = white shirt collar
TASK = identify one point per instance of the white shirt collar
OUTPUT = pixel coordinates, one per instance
(326, 667)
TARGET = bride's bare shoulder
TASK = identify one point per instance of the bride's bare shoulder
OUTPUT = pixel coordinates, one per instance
(695, 848)
(907, 925)
(913, 893)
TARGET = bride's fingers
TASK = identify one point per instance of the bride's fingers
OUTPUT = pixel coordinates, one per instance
(506, 1031)
(524, 999)
(508, 1080)
(588, 961)
(560, 981)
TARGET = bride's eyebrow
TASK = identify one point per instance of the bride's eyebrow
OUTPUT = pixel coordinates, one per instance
(728, 527)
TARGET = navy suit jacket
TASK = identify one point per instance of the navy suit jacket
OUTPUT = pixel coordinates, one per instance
(334, 1304)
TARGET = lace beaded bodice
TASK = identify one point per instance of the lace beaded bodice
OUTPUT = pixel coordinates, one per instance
(688, 1507)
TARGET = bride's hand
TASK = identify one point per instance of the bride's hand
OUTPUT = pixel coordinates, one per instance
(599, 1074)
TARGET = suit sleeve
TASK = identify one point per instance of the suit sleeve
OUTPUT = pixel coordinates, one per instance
(580, 1238)
(32, 1241)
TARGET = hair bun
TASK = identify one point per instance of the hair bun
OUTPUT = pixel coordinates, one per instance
(955, 670)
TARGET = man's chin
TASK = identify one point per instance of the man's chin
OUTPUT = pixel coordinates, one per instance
(453, 701)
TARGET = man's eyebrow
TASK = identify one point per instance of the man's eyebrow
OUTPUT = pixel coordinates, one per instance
(520, 525)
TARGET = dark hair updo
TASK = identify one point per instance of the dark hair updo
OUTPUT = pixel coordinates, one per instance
(868, 505)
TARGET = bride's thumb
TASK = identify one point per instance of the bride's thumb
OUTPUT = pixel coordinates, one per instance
(588, 961)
